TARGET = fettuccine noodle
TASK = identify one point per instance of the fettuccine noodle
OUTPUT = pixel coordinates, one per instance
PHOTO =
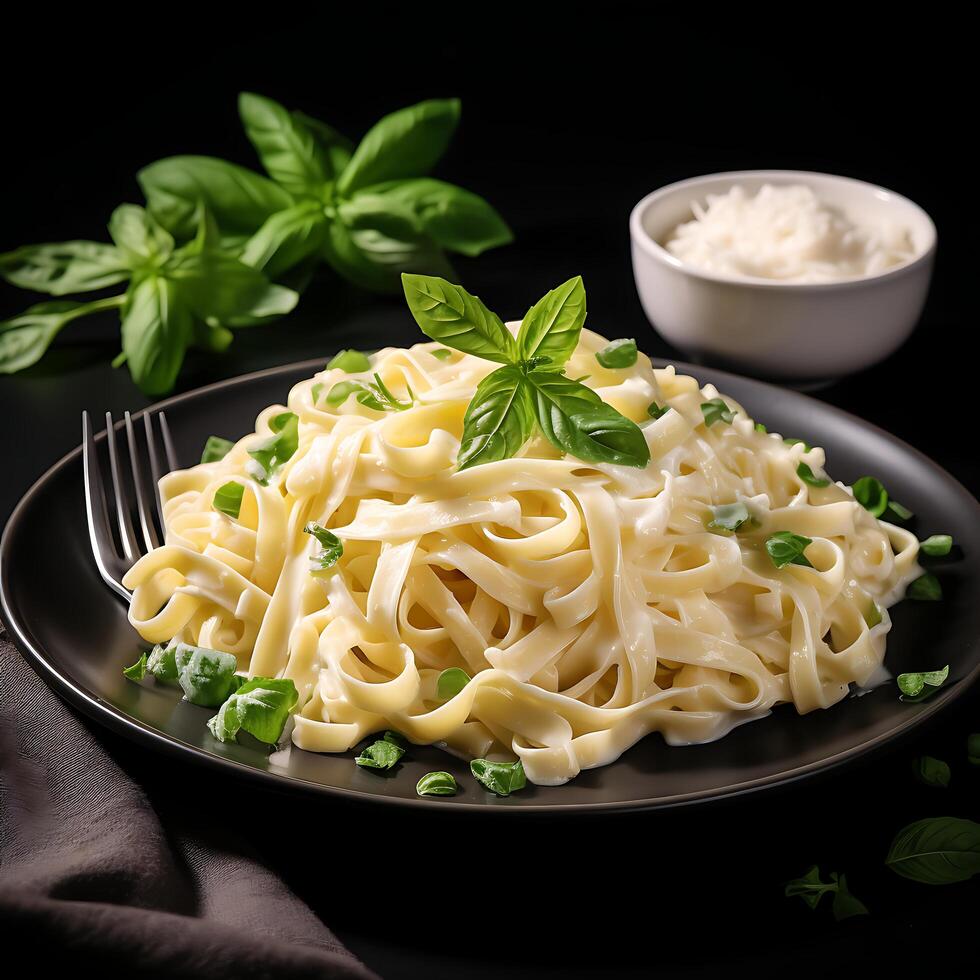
(590, 604)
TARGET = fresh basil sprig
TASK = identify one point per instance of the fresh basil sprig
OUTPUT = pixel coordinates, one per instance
(919, 685)
(936, 851)
(811, 888)
(530, 388)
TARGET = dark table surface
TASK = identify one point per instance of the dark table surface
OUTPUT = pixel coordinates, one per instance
(690, 891)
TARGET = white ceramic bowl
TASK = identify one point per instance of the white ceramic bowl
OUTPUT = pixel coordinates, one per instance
(793, 331)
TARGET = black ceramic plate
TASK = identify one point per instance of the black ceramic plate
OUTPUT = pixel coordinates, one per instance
(75, 632)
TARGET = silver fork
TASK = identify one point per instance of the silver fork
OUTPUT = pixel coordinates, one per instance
(115, 552)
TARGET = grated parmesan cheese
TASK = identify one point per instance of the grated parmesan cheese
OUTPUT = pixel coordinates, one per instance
(784, 233)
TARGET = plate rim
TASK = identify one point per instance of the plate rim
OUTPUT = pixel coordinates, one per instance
(100, 710)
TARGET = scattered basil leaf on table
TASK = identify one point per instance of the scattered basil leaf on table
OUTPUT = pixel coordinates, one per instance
(228, 499)
(332, 548)
(918, 685)
(451, 682)
(931, 771)
(936, 851)
(786, 548)
(656, 411)
(260, 707)
(618, 354)
(805, 473)
(729, 517)
(351, 361)
(437, 784)
(973, 749)
(216, 449)
(937, 545)
(811, 889)
(502, 778)
(716, 410)
(925, 588)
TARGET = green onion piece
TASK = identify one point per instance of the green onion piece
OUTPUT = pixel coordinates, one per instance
(260, 707)
(228, 499)
(278, 448)
(207, 677)
(383, 754)
(871, 495)
(717, 410)
(898, 510)
(656, 411)
(502, 778)
(729, 517)
(925, 588)
(618, 354)
(937, 545)
(804, 472)
(759, 427)
(932, 772)
(332, 549)
(919, 685)
(216, 448)
(973, 748)
(351, 361)
(786, 548)
(873, 615)
(442, 354)
(437, 784)
(451, 682)
(341, 391)
(138, 671)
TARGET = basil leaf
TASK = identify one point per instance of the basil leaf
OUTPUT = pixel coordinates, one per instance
(925, 588)
(207, 677)
(374, 395)
(286, 238)
(656, 411)
(316, 391)
(937, 545)
(498, 420)
(156, 328)
(811, 888)
(162, 663)
(452, 217)
(786, 548)
(216, 449)
(730, 517)
(442, 353)
(228, 499)
(973, 749)
(290, 154)
(139, 238)
(65, 267)
(576, 421)
(871, 495)
(618, 354)
(332, 550)
(384, 754)
(239, 199)
(351, 361)
(437, 784)
(932, 772)
(261, 707)
(717, 410)
(759, 427)
(804, 472)
(25, 338)
(450, 315)
(845, 904)
(502, 778)
(798, 442)
(403, 144)
(936, 851)
(919, 685)
(873, 616)
(335, 149)
(138, 670)
(278, 448)
(551, 328)
(451, 682)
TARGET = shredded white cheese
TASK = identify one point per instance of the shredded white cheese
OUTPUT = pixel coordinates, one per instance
(785, 233)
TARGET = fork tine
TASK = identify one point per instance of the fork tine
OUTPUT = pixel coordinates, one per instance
(168, 444)
(156, 470)
(127, 536)
(142, 501)
(96, 510)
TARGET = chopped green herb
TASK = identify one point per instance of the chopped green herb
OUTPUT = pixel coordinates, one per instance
(936, 545)
(316, 391)
(442, 353)
(228, 499)
(811, 888)
(973, 748)
(786, 548)
(333, 547)
(716, 410)
(656, 411)
(437, 784)
(351, 361)
(278, 448)
(730, 517)
(804, 472)
(919, 685)
(451, 682)
(936, 851)
(162, 663)
(207, 677)
(759, 427)
(798, 442)
(932, 772)
(871, 494)
(502, 778)
(383, 754)
(374, 395)
(618, 354)
(897, 510)
(215, 449)
(138, 671)
(260, 707)
(925, 588)
(873, 616)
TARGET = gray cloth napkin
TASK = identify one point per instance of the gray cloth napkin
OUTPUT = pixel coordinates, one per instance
(92, 874)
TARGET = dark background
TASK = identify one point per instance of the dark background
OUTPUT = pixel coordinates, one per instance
(569, 117)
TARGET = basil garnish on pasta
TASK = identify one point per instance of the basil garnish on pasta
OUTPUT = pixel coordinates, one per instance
(351, 361)
(502, 778)
(656, 411)
(786, 548)
(618, 354)
(730, 517)
(216, 449)
(871, 494)
(332, 548)
(716, 410)
(269, 455)
(228, 499)
(451, 682)
(805, 473)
